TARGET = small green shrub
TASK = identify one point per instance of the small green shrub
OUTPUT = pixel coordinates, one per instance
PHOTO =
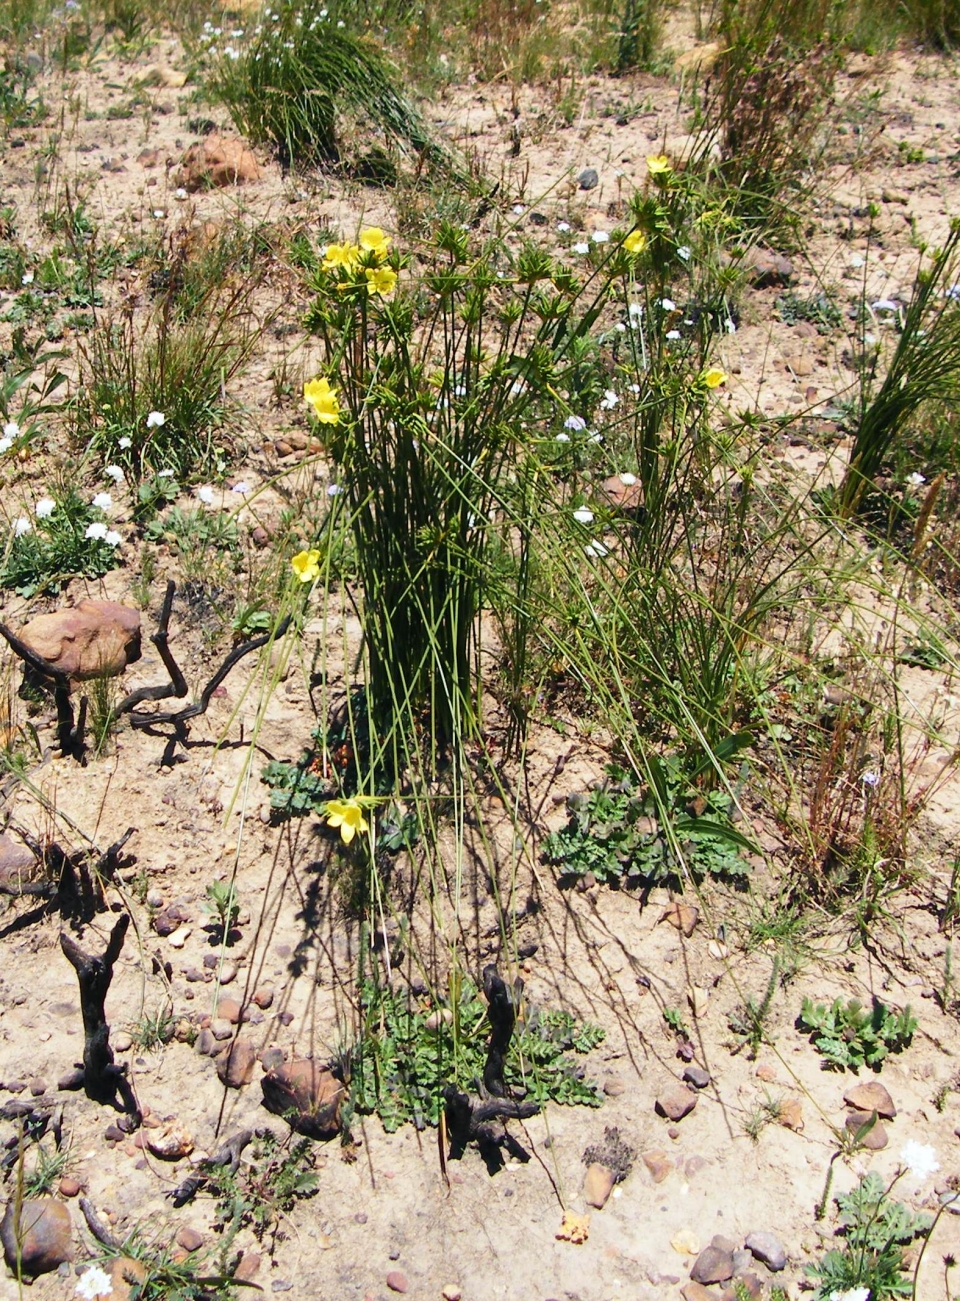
(267, 1186)
(848, 1035)
(67, 537)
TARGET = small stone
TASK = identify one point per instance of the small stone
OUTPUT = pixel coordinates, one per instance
(263, 997)
(790, 1114)
(154, 899)
(685, 1243)
(397, 1282)
(71, 1080)
(206, 1043)
(766, 1073)
(624, 497)
(235, 1063)
(228, 973)
(696, 1076)
(248, 1266)
(749, 1281)
(189, 1239)
(713, 1265)
(676, 1101)
(598, 1185)
(682, 916)
(659, 1165)
(125, 1274)
(271, 1058)
(613, 1086)
(171, 1143)
(169, 920)
(285, 1017)
(69, 1187)
(121, 1043)
(870, 1096)
(876, 1138)
(221, 1028)
(16, 1086)
(21, 871)
(179, 937)
(37, 1088)
(588, 179)
(694, 1291)
(217, 161)
(768, 1249)
(451, 1293)
(230, 1009)
(114, 1134)
(310, 1091)
(39, 1238)
(195, 976)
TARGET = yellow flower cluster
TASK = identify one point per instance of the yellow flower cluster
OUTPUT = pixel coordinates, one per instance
(350, 258)
(318, 394)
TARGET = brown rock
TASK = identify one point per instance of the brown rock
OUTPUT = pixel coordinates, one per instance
(765, 1072)
(598, 1185)
(451, 1293)
(397, 1282)
(148, 157)
(171, 1143)
(216, 162)
(309, 1090)
(713, 1265)
(764, 267)
(659, 1165)
(676, 1101)
(92, 639)
(248, 1267)
(263, 997)
(170, 919)
(871, 1096)
(614, 1085)
(694, 1291)
(876, 1138)
(125, 1274)
(683, 916)
(790, 1114)
(749, 1281)
(21, 872)
(229, 1009)
(235, 1063)
(69, 1187)
(189, 1239)
(39, 1238)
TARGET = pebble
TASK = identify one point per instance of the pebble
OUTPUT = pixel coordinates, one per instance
(696, 1076)
(598, 1185)
(765, 1073)
(248, 1267)
(229, 1008)
(235, 1063)
(876, 1138)
(285, 1018)
(271, 1058)
(154, 899)
(206, 1043)
(768, 1249)
(694, 1291)
(682, 916)
(16, 1086)
(194, 975)
(750, 1282)
(714, 1264)
(588, 179)
(69, 1187)
(870, 1096)
(659, 1165)
(614, 1085)
(228, 973)
(171, 1144)
(263, 997)
(676, 1101)
(451, 1293)
(37, 1087)
(221, 1028)
(790, 1114)
(179, 937)
(121, 1043)
(189, 1239)
(397, 1281)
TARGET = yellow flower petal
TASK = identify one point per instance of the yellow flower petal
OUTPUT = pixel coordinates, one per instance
(305, 564)
(341, 257)
(347, 815)
(658, 164)
(714, 377)
(635, 242)
(381, 280)
(319, 395)
(374, 241)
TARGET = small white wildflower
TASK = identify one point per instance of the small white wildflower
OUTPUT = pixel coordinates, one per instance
(180, 193)
(583, 515)
(871, 779)
(730, 327)
(21, 526)
(96, 532)
(851, 1294)
(102, 501)
(635, 310)
(595, 550)
(518, 209)
(123, 444)
(112, 538)
(159, 213)
(609, 400)
(600, 237)
(5, 445)
(628, 480)
(334, 490)
(919, 1159)
(581, 248)
(595, 438)
(205, 495)
(11, 429)
(575, 422)
(563, 227)
(165, 474)
(916, 480)
(885, 305)
(156, 419)
(563, 438)
(241, 488)
(668, 304)
(684, 252)
(856, 261)
(953, 292)
(620, 327)
(673, 334)
(27, 278)
(113, 472)
(45, 507)
(94, 1282)
(634, 388)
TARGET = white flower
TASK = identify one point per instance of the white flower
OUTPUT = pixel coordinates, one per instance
(628, 480)
(563, 438)
(668, 304)
(563, 227)
(165, 474)
(856, 261)
(205, 495)
(27, 278)
(684, 252)
(620, 327)
(334, 490)
(851, 1294)
(11, 429)
(635, 310)
(595, 550)
(112, 538)
(634, 388)
(45, 507)
(673, 334)
(21, 526)
(919, 1159)
(159, 213)
(96, 532)
(916, 480)
(94, 1282)
(102, 501)
(5, 445)
(518, 209)
(581, 248)
(600, 237)
(871, 779)
(609, 400)
(113, 472)
(123, 444)
(885, 305)
(180, 193)
(730, 327)
(583, 515)
(575, 422)
(241, 488)
(155, 419)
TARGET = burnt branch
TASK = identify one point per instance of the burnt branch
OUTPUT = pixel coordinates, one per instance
(97, 1227)
(69, 737)
(226, 1159)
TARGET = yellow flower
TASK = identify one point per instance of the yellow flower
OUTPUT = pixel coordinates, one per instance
(319, 395)
(341, 256)
(348, 816)
(374, 241)
(658, 164)
(306, 566)
(381, 280)
(635, 242)
(714, 377)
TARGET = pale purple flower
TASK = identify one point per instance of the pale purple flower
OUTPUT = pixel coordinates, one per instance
(563, 438)
(575, 422)
(241, 488)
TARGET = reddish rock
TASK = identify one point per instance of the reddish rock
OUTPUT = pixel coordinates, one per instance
(263, 997)
(714, 1264)
(235, 1063)
(875, 1138)
(790, 1114)
(248, 1267)
(21, 872)
(683, 916)
(69, 1187)
(125, 1273)
(870, 1096)
(694, 1291)
(676, 1101)
(310, 1091)
(397, 1282)
(229, 1009)
(659, 1165)
(598, 1185)
(216, 162)
(189, 1239)
(172, 1143)
(626, 497)
(92, 639)
(40, 1238)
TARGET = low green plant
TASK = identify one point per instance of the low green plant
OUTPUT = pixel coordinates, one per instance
(748, 1021)
(222, 904)
(614, 831)
(820, 309)
(153, 1029)
(848, 1035)
(876, 1232)
(266, 1186)
(202, 538)
(46, 1170)
(67, 537)
(400, 1063)
(20, 105)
